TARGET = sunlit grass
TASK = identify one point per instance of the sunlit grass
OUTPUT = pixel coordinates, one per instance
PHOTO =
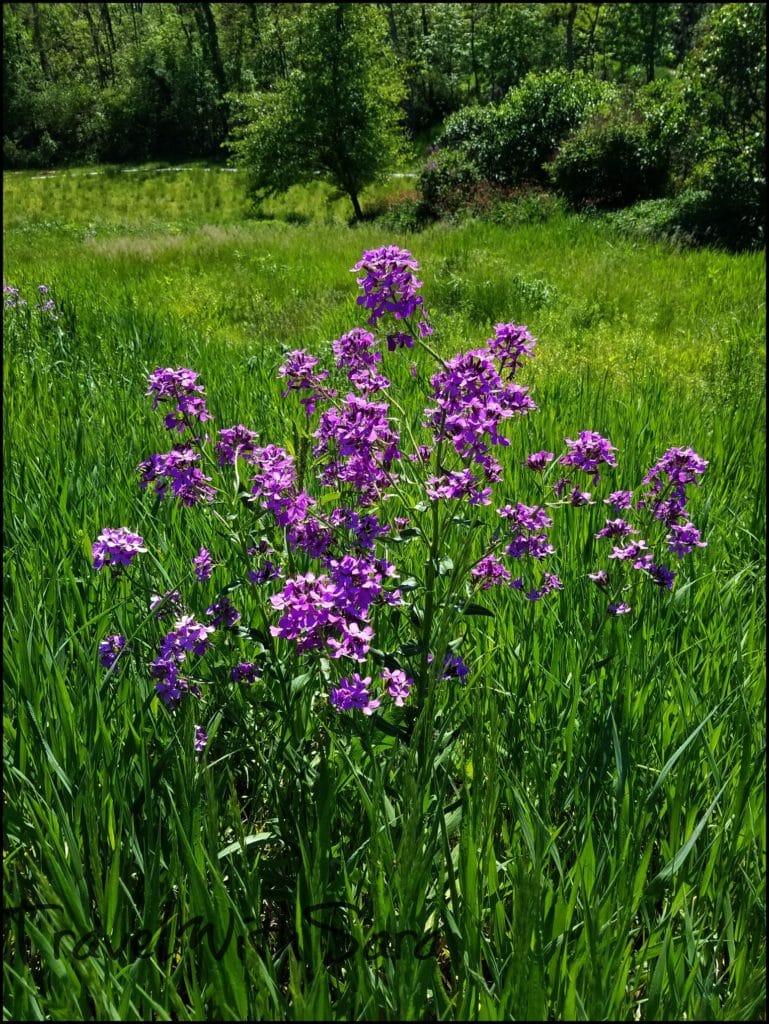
(590, 844)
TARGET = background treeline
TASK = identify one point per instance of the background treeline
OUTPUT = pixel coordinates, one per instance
(136, 81)
(608, 103)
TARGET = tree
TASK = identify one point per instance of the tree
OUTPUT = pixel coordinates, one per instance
(336, 114)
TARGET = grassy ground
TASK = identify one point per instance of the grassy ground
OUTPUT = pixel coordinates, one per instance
(588, 843)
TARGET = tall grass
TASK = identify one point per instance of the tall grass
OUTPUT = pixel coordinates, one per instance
(589, 840)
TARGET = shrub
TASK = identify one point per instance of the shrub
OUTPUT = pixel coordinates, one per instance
(535, 118)
(724, 203)
(473, 131)
(613, 160)
(509, 144)
(446, 179)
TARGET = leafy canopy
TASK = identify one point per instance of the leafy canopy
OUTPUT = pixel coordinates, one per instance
(336, 114)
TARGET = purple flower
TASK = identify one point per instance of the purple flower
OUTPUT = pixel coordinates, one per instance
(170, 686)
(399, 340)
(684, 539)
(223, 614)
(635, 553)
(615, 528)
(178, 469)
(578, 497)
(169, 603)
(116, 547)
(471, 401)
(588, 452)
(203, 565)
(187, 635)
(661, 575)
(619, 609)
(201, 739)
(527, 525)
(455, 668)
(398, 685)
(509, 343)
(333, 609)
(355, 642)
(234, 442)
(269, 571)
(619, 499)
(179, 388)
(388, 282)
(301, 375)
(110, 648)
(360, 446)
(458, 485)
(601, 578)
(668, 480)
(490, 572)
(246, 672)
(353, 692)
(538, 460)
(425, 330)
(14, 299)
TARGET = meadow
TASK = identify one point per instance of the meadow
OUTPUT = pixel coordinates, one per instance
(582, 835)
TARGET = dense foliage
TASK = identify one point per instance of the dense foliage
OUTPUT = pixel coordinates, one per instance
(336, 114)
(697, 138)
(114, 81)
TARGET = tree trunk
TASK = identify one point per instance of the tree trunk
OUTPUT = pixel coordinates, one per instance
(393, 25)
(96, 46)
(355, 204)
(570, 17)
(38, 35)
(651, 43)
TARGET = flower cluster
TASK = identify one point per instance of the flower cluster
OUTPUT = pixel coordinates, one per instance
(666, 497)
(203, 565)
(315, 518)
(358, 354)
(359, 446)
(110, 649)
(509, 343)
(471, 401)
(234, 442)
(301, 375)
(180, 389)
(390, 286)
(355, 691)
(14, 299)
(116, 547)
(332, 610)
(178, 470)
(588, 452)
(187, 636)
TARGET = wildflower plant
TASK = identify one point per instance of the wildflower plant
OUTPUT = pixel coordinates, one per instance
(359, 552)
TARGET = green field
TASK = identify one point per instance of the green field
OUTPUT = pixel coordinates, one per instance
(582, 834)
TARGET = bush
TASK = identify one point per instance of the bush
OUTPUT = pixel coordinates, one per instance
(473, 131)
(509, 144)
(612, 161)
(447, 178)
(535, 118)
(405, 211)
(724, 203)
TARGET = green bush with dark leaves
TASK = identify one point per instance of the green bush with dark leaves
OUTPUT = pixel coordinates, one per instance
(511, 143)
(447, 179)
(617, 158)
